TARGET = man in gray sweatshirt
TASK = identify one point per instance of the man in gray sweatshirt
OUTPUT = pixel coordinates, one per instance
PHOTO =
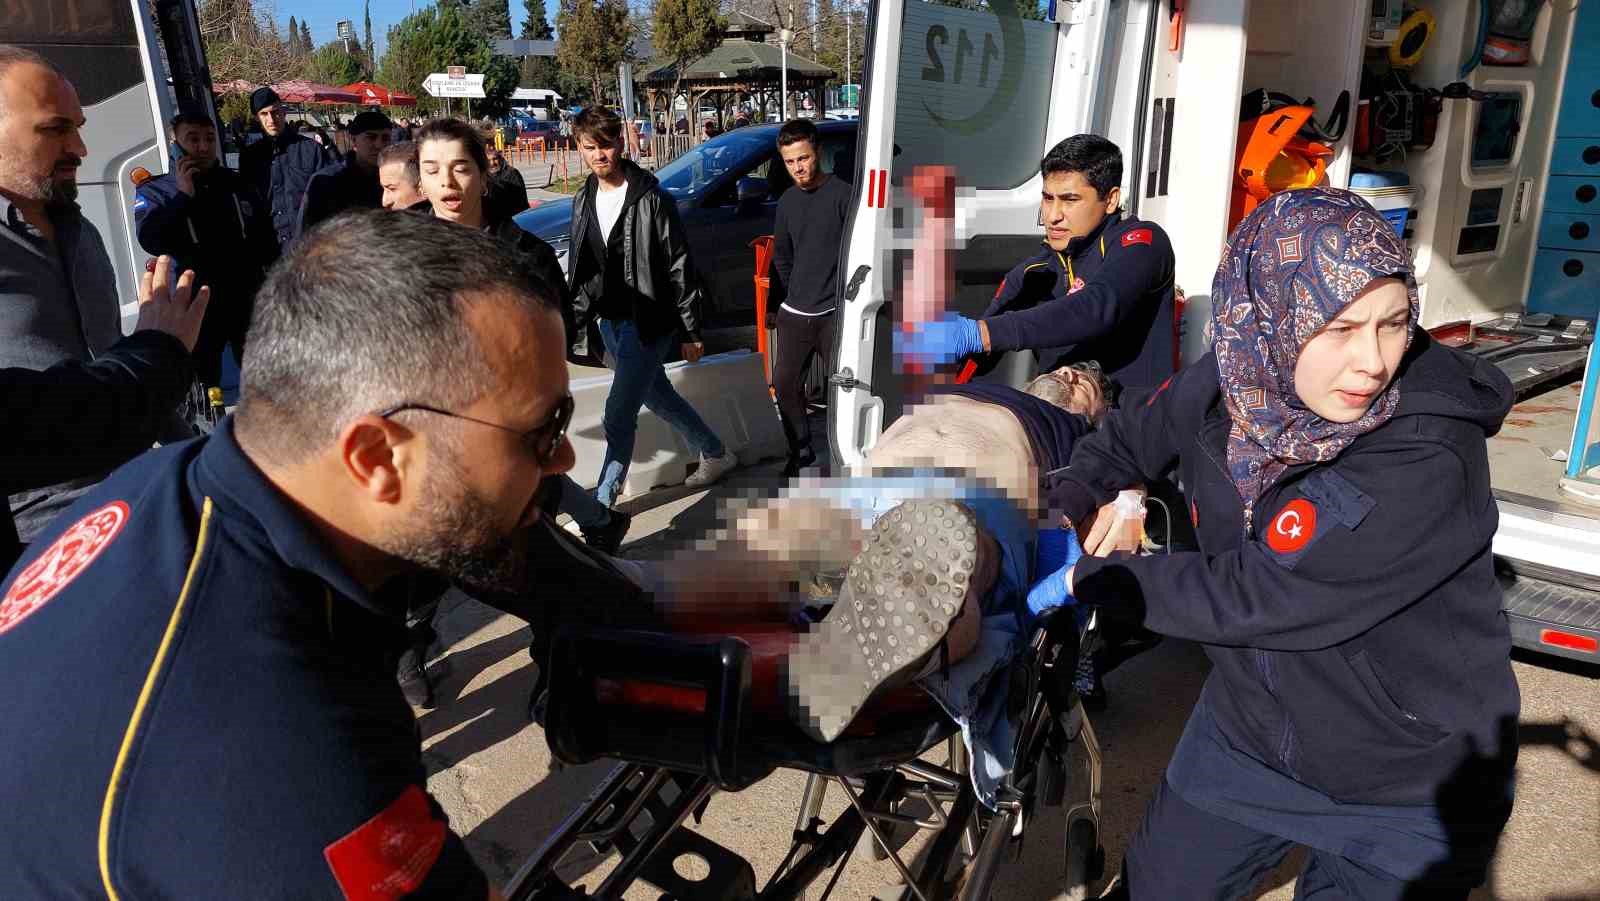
(58, 293)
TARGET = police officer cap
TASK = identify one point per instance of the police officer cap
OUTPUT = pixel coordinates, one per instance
(371, 120)
(261, 98)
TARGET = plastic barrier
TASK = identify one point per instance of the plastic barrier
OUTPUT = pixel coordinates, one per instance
(727, 390)
(763, 249)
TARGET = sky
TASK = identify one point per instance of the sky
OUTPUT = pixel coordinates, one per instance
(324, 16)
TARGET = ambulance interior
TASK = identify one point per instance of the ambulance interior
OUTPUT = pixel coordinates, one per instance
(1474, 126)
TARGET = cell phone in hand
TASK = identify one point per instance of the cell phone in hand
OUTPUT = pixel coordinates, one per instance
(176, 150)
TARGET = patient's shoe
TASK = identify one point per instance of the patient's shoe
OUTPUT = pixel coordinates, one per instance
(901, 599)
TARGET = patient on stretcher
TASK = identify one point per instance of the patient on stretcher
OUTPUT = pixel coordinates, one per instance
(921, 564)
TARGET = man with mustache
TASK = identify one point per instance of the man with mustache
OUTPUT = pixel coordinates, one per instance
(58, 291)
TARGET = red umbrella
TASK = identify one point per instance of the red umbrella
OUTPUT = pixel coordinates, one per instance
(301, 91)
(378, 95)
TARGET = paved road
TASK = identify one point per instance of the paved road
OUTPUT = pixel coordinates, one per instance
(491, 769)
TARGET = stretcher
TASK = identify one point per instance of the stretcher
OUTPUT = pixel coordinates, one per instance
(690, 716)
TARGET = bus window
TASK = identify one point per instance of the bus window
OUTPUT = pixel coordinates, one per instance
(974, 90)
(93, 42)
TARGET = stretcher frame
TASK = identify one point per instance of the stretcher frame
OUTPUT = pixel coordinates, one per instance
(640, 807)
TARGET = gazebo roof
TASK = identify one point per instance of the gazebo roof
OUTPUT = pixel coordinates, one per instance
(740, 23)
(736, 60)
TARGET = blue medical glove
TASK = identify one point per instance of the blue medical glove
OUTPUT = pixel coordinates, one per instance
(940, 341)
(1058, 550)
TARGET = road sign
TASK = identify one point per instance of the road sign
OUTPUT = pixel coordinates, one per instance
(850, 95)
(442, 84)
(347, 30)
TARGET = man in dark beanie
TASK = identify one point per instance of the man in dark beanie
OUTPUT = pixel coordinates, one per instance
(280, 165)
(351, 183)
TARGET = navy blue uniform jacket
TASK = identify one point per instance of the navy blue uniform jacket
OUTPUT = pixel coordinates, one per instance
(1117, 308)
(1355, 626)
(280, 169)
(201, 703)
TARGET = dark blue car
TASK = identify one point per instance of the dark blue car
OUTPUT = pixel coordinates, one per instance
(727, 191)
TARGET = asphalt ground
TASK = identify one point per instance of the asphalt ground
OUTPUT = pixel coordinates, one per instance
(492, 772)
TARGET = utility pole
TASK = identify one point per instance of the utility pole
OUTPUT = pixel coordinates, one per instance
(784, 36)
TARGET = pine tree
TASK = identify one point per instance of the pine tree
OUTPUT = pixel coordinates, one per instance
(305, 39)
(371, 48)
(294, 37)
(490, 18)
(536, 71)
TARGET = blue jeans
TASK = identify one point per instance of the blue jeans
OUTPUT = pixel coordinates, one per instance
(638, 380)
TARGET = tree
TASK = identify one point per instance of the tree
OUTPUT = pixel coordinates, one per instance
(241, 43)
(686, 30)
(332, 65)
(596, 37)
(294, 37)
(372, 49)
(429, 40)
(537, 71)
(490, 18)
(305, 39)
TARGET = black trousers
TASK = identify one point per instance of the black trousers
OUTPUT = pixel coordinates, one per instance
(800, 339)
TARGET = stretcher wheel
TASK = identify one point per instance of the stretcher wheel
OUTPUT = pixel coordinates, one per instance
(1085, 860)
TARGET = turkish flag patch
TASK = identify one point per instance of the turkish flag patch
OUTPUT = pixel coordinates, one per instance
(1293, 527)
(55, 569)
(1137, 236)
(388, 856)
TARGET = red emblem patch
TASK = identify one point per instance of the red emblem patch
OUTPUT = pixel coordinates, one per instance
(389, 855)
(1293, 527)
(1137, 236)
(61, 563)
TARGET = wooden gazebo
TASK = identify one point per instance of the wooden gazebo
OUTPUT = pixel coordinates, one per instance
(747, 65)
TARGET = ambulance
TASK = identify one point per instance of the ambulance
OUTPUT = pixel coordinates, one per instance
(1473, 126)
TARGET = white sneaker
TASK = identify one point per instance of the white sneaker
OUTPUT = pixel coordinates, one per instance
(711, 469)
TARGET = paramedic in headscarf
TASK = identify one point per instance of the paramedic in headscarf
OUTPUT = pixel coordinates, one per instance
(1361, 701)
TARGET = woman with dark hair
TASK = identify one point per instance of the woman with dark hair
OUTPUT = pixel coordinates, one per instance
(455, 180)
(1361, 701)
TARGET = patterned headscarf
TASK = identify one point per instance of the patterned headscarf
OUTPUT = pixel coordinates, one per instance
(1291, 266)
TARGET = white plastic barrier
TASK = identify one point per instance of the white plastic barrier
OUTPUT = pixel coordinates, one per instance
(729, 390)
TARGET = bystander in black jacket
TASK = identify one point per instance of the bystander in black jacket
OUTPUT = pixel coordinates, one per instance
(647, 272)
(224, 234)
(132, 388)
(279, 169)
(336, 188)
(508, 193)
(1108, 297)
(1354, 627)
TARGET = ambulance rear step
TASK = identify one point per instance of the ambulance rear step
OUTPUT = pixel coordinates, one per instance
(1547, 615)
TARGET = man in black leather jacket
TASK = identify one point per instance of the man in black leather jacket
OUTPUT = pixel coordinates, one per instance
(632, 282)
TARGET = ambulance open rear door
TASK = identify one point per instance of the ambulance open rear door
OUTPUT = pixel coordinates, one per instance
(985, 91)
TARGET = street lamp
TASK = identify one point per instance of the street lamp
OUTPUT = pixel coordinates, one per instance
(784, 37)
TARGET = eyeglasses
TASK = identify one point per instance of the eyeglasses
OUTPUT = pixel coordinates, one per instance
(543, 440)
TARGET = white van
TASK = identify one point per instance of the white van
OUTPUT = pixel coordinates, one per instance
(1506, 260)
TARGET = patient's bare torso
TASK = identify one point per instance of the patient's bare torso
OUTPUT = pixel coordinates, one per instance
(953, 432)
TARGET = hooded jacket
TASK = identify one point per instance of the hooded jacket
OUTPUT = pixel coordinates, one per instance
(279, 169)
(1355, 629)
(665, 291)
